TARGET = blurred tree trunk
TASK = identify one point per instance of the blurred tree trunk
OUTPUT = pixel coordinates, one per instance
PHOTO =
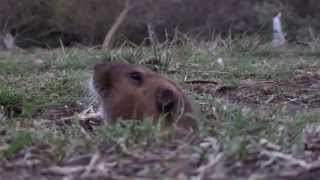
(108, 38)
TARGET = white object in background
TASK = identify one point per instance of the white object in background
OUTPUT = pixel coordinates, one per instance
(220, 61)
(9, 41)
(2, 116)
(278, 36)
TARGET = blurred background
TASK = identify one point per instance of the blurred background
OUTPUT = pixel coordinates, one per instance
(50, 23)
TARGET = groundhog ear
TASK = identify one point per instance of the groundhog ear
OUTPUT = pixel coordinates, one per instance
(101, 66)
(165, 100)
(102, 76)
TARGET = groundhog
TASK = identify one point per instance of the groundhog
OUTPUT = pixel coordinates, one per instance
(134, 92)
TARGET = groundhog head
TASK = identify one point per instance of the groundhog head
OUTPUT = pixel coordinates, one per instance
(135, 92)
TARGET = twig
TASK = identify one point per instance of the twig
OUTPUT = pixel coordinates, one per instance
(200, 82)
(108, 39)
(269, 145)
(62, 47)
(291, 100)
(78, 159)
(213, 160)
(89, 113)
(91, 165)
(264, 82)
(64, 170)
(292, 160)
(269, 99)
(217, 72)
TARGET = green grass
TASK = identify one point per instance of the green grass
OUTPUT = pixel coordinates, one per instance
(18, 141)
(62, 78)
(137, 134)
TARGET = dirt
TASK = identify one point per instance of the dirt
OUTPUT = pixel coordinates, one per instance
(176, 162)
(58, 112)
(302, 91)
(60, 115)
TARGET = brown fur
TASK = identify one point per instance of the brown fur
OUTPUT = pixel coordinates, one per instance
(133, 92)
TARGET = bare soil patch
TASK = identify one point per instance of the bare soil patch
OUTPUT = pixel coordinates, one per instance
(302, 91)
(58, 112)
(173, 161)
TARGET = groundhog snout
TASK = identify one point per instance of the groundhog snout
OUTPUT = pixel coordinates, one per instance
(165, 99)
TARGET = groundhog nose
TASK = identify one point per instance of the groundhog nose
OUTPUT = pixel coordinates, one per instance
(165, 99)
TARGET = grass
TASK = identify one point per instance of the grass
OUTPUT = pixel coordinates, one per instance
(136, 134)
(61, 78)
(19, 141)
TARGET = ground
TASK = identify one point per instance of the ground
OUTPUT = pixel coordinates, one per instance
(258, 115)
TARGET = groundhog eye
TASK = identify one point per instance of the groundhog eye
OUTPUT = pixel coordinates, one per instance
(136, 77)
